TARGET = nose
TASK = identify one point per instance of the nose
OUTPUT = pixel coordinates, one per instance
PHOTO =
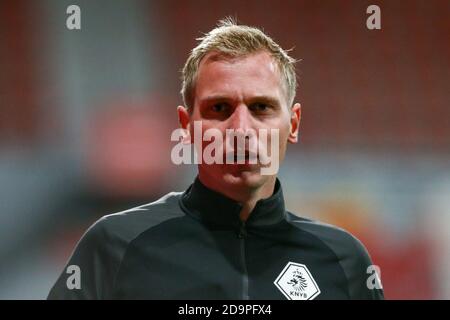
(240, 119)
(240, 122)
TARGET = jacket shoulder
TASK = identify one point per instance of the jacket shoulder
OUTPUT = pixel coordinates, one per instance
(350, 252)
(128, 224)
(99, 252)
(341, 239)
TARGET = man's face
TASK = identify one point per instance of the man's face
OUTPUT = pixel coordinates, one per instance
(240, 93)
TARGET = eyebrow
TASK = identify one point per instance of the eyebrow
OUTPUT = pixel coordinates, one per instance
(267, 100)
(214, 98)
(263, 98)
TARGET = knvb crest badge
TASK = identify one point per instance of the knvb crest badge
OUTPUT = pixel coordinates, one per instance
(297, 283)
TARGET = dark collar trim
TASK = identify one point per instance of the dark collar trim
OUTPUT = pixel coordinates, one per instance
(212, 207)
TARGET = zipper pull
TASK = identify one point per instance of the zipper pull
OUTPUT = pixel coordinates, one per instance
(242, 230)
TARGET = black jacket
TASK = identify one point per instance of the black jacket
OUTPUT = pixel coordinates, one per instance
(192, 245)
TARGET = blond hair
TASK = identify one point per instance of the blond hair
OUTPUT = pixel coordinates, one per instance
(232, 40)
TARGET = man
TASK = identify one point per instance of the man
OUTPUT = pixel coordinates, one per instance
(228, 236)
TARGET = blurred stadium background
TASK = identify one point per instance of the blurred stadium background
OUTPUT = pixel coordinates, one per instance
(86, 116)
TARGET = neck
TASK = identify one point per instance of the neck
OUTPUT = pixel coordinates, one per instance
(246, 196)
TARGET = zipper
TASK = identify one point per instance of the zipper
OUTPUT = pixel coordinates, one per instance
(242, 235)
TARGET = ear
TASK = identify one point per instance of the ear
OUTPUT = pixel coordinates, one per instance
(296, 115)
(184, 120)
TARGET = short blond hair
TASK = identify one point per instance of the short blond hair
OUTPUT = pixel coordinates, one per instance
(232, 40)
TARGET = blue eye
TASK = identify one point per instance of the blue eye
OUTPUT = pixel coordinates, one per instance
(219, 107)
(258, 107)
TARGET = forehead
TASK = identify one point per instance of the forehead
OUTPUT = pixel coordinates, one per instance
(253, 74)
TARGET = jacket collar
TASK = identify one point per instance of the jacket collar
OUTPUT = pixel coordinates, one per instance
(214, 208)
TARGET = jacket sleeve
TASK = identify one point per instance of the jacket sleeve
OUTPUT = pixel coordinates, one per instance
(90, 271)
(364, 279)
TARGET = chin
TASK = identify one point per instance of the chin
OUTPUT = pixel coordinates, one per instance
(245, 179)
